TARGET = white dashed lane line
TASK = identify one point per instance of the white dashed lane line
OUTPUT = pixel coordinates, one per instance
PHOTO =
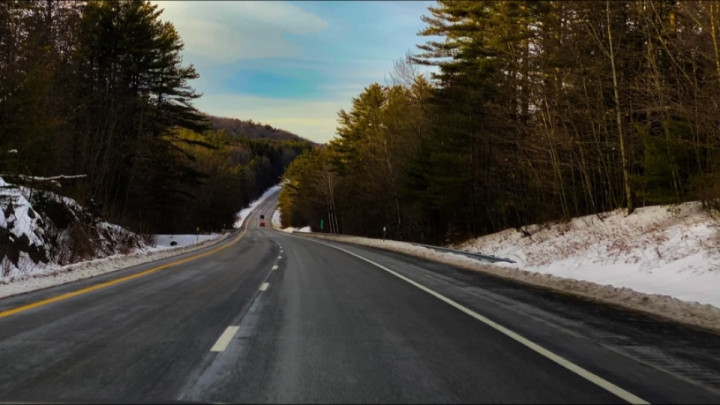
(224, 339)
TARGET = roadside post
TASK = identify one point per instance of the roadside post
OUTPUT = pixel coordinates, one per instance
(322, 225)
(384, 231)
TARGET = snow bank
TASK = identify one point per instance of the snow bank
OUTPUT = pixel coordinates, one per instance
(55, 275)
(164, 241)
(304, 229)
(276, 220)
(47, 239)
(664, 261)
(29, 274)
(666, 250)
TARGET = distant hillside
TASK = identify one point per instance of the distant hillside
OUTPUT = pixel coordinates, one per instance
(238, 129)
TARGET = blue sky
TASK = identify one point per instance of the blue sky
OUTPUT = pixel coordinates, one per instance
(292, 64)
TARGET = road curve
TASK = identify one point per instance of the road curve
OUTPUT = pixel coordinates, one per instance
(274, 317)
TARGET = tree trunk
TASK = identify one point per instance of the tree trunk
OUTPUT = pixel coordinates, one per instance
(618, 115)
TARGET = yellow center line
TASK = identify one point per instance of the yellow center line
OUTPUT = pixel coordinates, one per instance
(113, 282)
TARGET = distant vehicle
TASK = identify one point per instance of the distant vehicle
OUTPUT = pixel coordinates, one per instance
(262, 216)
(262, 222)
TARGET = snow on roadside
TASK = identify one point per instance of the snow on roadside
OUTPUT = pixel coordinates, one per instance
(53, 276)
(242, 214)
(162, 241)
(276, 220)
(663, 261)
(666, 250)
(290, 229)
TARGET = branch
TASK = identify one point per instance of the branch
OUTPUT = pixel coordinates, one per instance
(41, 179)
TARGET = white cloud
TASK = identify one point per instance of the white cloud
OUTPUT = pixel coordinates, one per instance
(224, 31)
(314, 120)
(223, 37)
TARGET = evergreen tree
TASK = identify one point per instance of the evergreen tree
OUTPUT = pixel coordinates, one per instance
(134, 91)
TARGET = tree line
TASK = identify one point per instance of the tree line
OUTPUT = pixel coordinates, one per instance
(249, 129)
(540, 111)
(97, 91)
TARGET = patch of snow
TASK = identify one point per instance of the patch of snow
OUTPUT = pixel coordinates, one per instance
(60, 177)
(276, 219)
(290, 229)
(162, 241)
(22, 218)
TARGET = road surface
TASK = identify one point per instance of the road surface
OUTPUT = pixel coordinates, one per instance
(274, 317)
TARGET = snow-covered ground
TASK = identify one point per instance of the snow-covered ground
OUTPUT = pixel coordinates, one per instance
(304, 229)
(42, 230)
(663, 260)
(668, 250)
(56, 275)
(23, 224)
(164, 241)
(26, 223)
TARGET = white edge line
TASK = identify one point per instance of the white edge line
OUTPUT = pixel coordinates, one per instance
(588, 375)
(264, 286)
(224, 339)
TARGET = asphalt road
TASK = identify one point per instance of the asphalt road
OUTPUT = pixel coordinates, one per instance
(274, 317)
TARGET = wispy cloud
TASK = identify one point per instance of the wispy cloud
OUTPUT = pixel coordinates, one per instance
(224, 31)
(292, 65)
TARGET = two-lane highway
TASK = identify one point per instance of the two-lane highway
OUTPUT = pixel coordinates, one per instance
(273, 317)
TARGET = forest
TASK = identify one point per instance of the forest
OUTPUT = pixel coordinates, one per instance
(96, 104)
(539, 111)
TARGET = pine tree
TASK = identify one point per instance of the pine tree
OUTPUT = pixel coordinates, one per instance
(134, 91)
